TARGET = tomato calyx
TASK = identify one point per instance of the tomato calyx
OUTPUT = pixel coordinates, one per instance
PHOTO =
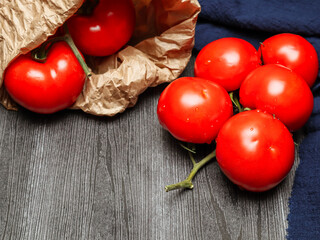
(40, 54)
(261, 57)
(235, 100)
(187, 183)
(234, 96)
(87, 7)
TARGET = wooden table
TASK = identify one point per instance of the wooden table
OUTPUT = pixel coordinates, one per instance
(75, 176)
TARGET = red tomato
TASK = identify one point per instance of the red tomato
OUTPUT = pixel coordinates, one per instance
(226, 61)
(255, 150)
(107, 30)
(280, 91)
(194, 109)
(292, 51)
(46, 87)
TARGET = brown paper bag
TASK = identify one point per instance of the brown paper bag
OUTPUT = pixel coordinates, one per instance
(158, 52)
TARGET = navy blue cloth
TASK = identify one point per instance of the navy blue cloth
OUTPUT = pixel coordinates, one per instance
(255, 21)
(304, 217)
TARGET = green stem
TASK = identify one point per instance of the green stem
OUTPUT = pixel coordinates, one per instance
(68, 39)
(261, 56)
(40, 54)
(192, 149)
(187, 183)
(192, 158)
(236, 101)
(88, 7)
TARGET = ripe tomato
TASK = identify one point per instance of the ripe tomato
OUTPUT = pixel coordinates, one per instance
(194, 109)
(46, 87)
(292, 51)
(106, 30)
(226, 61)
(280, 91)
(255, 150)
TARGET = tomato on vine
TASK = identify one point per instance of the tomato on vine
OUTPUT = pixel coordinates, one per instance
(254, 148)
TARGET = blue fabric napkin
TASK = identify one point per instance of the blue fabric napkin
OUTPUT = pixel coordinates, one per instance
(255, 21)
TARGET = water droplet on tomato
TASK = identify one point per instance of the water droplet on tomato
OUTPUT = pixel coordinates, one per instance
(196, 109)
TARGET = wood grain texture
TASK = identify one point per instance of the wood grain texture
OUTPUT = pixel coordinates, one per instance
(75, 176)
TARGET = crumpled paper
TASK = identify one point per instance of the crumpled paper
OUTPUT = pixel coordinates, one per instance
(158, 51)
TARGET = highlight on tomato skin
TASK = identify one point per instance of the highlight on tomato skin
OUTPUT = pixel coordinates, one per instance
(226, 61)
(255, 150)
(194, 109)
(292, 51)
(280, 91)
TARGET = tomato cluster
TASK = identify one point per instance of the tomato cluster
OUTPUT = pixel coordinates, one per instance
(52, 77)
(253, 148)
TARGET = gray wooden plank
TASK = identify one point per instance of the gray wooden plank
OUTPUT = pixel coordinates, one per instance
(76, 176)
